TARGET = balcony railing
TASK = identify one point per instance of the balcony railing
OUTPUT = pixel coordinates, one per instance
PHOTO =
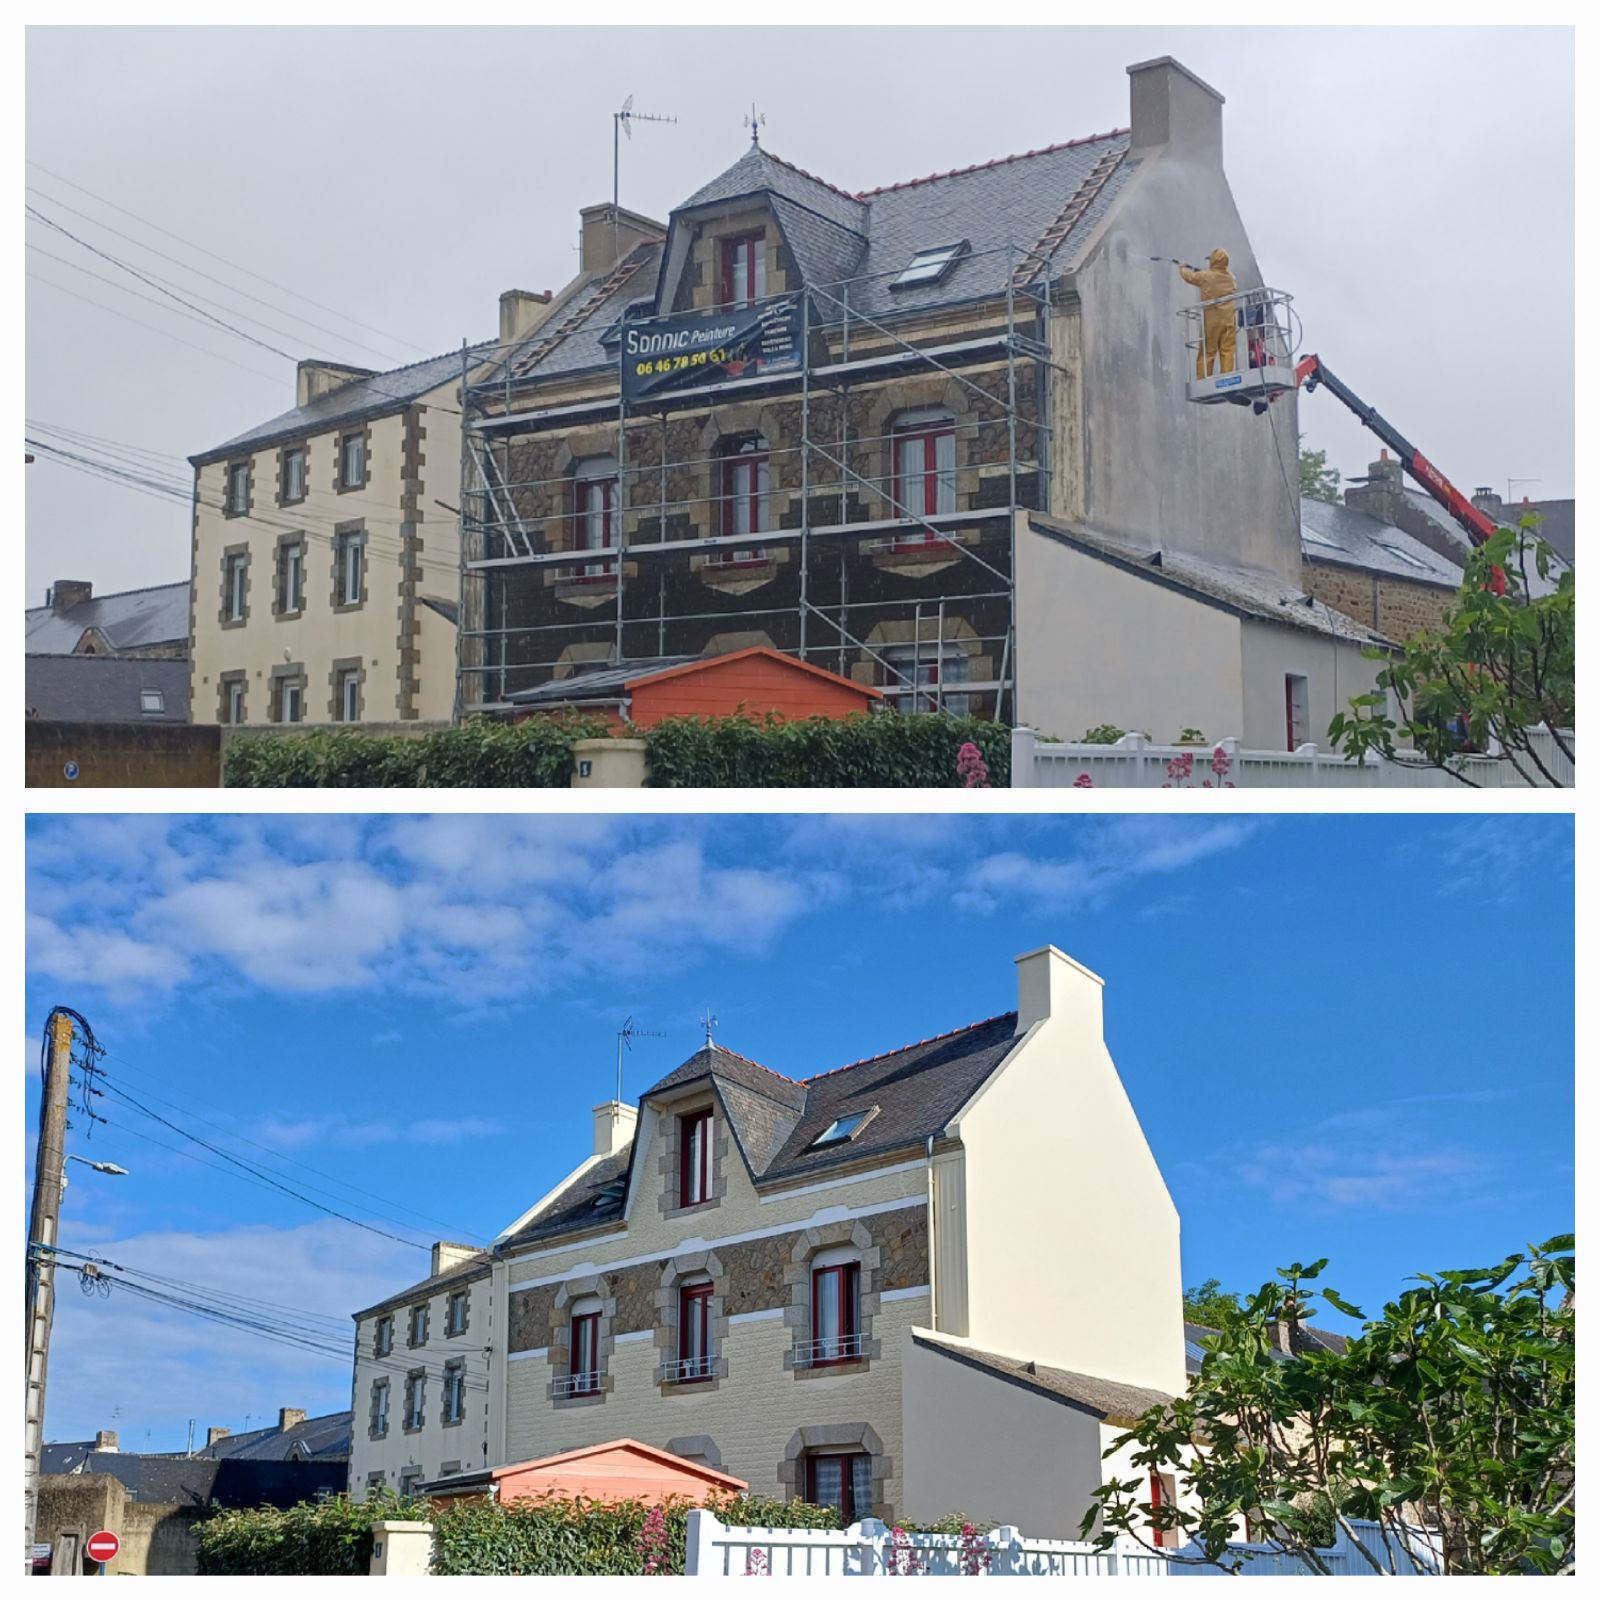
(691, 1369)
(826, 1352)
(576, 1383)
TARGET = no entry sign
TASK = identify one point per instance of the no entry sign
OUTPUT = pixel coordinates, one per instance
(104, 1546)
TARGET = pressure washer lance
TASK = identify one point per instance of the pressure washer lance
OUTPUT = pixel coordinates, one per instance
(1175, 261)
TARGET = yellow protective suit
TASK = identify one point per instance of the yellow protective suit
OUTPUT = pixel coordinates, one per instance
(1214, 283)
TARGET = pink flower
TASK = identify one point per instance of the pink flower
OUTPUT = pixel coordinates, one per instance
(654, 1544)
(1221, 762)
(755, 1565)
(975, 1552)
(903, 1562)
(1181, 767)
(1083, 781)
(971, 767)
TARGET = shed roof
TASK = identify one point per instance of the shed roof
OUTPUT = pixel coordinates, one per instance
(634, 1458)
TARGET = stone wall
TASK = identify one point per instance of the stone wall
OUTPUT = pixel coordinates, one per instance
(157, 1540)
(134, 755)
(1393, 607)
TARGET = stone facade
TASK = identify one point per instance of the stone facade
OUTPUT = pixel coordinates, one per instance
(1394, 607)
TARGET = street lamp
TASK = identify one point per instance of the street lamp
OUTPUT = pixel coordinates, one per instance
(109, 1167)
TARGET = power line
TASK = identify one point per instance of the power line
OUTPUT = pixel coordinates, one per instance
(248, 271)
(111, 446)
(39, 277)
(127, 1066)
(117, 261)
(122, 1094)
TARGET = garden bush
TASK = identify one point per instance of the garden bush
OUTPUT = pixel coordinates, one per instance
(326, 1538)
(884, 751)
(480, 753)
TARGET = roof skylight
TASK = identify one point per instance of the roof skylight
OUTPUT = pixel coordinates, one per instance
(930, 266)
(1401, 555)
(1311, 536)
(841, 1129)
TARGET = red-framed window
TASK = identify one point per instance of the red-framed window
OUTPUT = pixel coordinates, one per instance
(595, 504)
(836, 1314)
(742, 279)
(924, 471)
(1161, 1495)
(694, 1158)
(842, 1481)
(584, 1367)
(694, 1333)
(746, 480)
(1296, 710)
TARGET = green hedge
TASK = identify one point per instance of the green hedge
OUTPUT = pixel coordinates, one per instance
(578, 1538)
(329, 1538)
(479, 754)
(885, 751)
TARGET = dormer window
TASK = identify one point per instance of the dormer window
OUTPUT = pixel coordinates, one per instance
(694, 1158)
(743, 277)
(841, 1129)
(930, 266)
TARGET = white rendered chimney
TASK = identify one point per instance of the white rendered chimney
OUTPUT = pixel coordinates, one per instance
(1052, 986)
(613, 1126)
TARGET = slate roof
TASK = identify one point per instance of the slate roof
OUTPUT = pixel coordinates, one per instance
(834, 235)
(462, 1272)
(371, 396)
(1119, 1402)
(199, 1481)
(912, 1093)
(1559, 525)
(1306, 1337)
(322, 1438)
(104, 688)
(133, 619)
(1352, 538)
(1423, 502)
(1254, 595)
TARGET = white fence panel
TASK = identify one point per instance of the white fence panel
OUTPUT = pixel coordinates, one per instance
(1134, 763)
(870, 1549)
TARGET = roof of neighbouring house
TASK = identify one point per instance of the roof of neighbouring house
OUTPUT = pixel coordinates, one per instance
(462, 1272)
(1099, 1397)
(316, 1439)
(906, 1096)
(1351, 538)
(641, 1458)
(104, 688)
(373, 395)
(132, 619)
(1424, 504)
(201, 1481)
(1305, 1337)
(1558, 523)
(869, 237)
(1256, 596)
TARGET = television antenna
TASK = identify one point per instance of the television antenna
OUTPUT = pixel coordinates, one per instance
(1512, 484)
(626, 1034)
(622, 122)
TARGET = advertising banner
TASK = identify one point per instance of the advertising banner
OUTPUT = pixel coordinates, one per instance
(669, 354)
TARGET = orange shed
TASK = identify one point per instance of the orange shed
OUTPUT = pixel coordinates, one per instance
(754, 681)
(624, 1469)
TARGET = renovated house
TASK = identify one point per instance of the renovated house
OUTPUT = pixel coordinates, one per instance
(935, 437)
(861, 1287)
(324, 565)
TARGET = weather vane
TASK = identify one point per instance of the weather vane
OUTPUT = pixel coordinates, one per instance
(755, 121)
(708, 1022)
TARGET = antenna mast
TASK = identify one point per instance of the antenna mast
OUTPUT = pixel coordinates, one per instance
(626, 1034)
(622, 122)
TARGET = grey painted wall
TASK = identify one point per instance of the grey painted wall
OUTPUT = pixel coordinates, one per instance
(1157, 468)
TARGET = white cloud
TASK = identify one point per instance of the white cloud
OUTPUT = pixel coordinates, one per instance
(1363, 1172)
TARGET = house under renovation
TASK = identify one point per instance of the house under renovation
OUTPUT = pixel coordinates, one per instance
(938, 438)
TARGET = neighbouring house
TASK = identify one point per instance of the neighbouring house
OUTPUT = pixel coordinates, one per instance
(1373, 571)
(324, 556)
(1556, 519)
(620, 1469)
(420, 1388)
(861, 1287)
(929, 436)
(1386, 494)
(152, 1501)
(757, 683)
(102, 689)
(150, 623)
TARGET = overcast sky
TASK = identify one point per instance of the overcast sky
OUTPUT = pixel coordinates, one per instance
(1412, 188)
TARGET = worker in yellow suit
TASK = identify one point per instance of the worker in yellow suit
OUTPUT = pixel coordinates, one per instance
(1214, 282)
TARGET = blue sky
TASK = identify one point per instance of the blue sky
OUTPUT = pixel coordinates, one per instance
(1344, 1036)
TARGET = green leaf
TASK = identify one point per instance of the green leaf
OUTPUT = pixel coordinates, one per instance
(1341, 1305)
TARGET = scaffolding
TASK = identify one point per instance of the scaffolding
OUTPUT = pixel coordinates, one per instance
(527, 553)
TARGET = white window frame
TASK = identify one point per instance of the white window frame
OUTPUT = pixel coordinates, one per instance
(928, 667)
(352, 560)
(455, 1392)
(294, 473)
(350, 694)
(293, 579)
(352, 446)
(291, 692)
(239, 488)
(380, 1410)
(930, 265)
(238, 568)
(416, 1400)
(148, 709)
(598, 496)
(233, 697)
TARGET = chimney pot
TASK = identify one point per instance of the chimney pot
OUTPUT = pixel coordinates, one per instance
(289, 1418)
(214, 1434)
(105, 1440)
(613, 1126)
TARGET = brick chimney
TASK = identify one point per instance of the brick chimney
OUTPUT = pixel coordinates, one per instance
(604, 244)
(289, 1418)
(214, 1434)
(314, 378)
(65, 593)
(521, 312)
(1169, 106)
(105, 1440)
(613, 1126)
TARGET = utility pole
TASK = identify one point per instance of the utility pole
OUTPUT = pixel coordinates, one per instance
(49, 1168)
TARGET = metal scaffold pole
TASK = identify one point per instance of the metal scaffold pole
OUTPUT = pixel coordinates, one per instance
(805, 463)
